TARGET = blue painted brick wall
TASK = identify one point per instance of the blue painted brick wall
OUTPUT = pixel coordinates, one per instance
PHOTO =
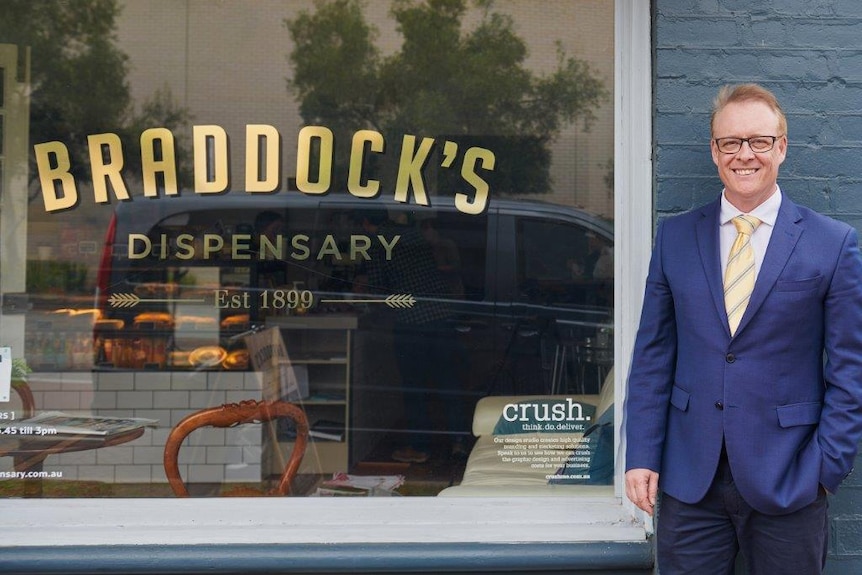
(809, 52)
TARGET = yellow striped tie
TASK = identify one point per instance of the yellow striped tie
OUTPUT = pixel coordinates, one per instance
(739, 275)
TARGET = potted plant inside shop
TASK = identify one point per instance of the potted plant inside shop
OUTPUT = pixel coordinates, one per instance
(20, 375)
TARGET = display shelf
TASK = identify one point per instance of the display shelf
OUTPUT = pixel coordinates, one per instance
(166, 347)
(322, 344)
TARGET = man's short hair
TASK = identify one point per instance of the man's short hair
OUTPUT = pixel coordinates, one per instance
(746, 93)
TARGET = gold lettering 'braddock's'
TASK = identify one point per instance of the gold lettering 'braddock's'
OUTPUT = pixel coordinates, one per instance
(211, 151)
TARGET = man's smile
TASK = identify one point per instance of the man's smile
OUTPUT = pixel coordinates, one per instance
(745, 171)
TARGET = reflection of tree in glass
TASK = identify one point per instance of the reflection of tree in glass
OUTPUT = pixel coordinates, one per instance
(471, 87)
(78, 80)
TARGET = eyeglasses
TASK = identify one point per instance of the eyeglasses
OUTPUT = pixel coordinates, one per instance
(757, 144)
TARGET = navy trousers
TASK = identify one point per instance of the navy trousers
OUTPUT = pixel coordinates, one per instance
(704, 538)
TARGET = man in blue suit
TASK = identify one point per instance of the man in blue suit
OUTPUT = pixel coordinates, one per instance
(745, 393)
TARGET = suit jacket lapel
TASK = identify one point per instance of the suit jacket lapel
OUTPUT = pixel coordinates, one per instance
(710, 257)
(781, 244)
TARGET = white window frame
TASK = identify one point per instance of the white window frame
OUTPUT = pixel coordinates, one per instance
(82, 522)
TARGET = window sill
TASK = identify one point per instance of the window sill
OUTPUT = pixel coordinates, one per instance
(321, 534)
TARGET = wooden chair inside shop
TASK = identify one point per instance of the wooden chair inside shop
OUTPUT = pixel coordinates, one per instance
(230, 415)
(28, 403)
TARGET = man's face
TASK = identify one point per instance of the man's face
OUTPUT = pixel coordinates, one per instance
(749, 178)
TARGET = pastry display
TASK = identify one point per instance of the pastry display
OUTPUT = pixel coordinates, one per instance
(157, 319)
(72, 312)
(195, 322)
(207, 356)
(109, 324)
(236, 360)
(235, 320)
(179, 359)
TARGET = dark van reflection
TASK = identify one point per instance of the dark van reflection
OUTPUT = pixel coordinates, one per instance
(447, 307)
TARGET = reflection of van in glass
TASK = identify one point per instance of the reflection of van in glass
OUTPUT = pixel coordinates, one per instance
(527, 289)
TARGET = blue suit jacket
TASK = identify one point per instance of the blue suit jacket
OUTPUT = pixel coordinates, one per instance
(791, 416)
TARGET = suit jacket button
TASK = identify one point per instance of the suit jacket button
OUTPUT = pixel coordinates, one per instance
(730, 358)
(719, 406)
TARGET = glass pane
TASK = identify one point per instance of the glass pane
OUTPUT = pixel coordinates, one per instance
(407, 247)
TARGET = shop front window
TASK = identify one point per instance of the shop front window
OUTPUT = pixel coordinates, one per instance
(397, 219)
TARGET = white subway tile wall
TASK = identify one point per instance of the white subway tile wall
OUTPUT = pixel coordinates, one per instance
(211, 455)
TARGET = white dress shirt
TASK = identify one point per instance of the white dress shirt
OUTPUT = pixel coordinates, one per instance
(767, 212)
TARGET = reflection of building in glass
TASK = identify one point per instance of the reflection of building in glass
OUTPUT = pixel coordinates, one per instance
(14, 126)
(165, 49)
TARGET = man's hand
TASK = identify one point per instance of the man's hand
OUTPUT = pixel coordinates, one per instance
(642, 488)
